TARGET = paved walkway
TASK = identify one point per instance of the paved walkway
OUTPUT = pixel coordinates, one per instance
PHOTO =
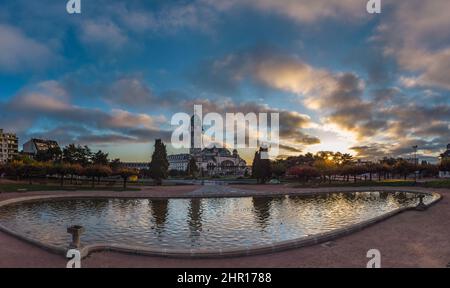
(411, 239)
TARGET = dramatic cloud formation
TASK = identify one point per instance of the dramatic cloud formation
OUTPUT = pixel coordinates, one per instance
(341, 79)
(291, 123)
(416, 33)
(341, 99)
(49, 100)
(339, 94)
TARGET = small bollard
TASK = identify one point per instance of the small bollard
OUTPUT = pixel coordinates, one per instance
(76, 231)
(421, 206)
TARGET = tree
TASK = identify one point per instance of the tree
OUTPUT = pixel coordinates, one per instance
(74, 169)
(346, 159)
(100, 158)
(76, 154)
(256, 167)
(371, 168)
(378, 168)
(261, 168)
(62, 169)
(307, 159)
(115, 164)
(326, 167)
(445, 164)
(303, 172)
(97, 171)
(279, 169)
(345, 171)
(192, 168)
(159, 165)
(125, 174)
(51, 154)
(403, 168)
(429, 170)
(28, 170)
(13, 169)
(355, 170)
(70, 154)
(25, 168)
(103, 171)
(84, 155)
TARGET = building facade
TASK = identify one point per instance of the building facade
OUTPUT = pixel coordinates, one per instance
(9, 146)
(220, 162)
(135, 165)
(34, 146)
(178, 162)
(210, 162)
(213, 161)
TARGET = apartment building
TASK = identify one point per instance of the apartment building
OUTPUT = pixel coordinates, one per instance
(35, 146)
(9, 146)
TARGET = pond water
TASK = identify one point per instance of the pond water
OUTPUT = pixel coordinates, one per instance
(208, 223)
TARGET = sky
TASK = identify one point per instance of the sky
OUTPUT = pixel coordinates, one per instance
(372, 85)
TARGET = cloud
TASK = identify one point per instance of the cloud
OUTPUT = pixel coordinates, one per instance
(302, 11)
(402, 148)
(168, 17)
(292, 123)
(103, 32)
(343, 99)
(48, 101)
(338, 96)
(129, 92)
(18, 52)
(416, 33)
(289, 148)
(371, 151)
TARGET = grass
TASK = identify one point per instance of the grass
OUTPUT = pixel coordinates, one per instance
(21, 187)
(437, 184)
(389, 183)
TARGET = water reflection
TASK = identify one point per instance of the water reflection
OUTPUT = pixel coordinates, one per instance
(159, 211)
(195, 215)
(261, 209)
(207, 223)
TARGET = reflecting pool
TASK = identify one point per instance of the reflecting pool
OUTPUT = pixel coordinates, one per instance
(209, 223)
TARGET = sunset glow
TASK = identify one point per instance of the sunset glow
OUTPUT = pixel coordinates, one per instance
(340, 79)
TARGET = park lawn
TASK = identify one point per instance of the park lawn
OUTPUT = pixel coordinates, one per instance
(444, 183)
(21, 187)
(390, 183)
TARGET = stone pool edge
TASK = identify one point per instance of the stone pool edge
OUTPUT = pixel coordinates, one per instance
(205, 253)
